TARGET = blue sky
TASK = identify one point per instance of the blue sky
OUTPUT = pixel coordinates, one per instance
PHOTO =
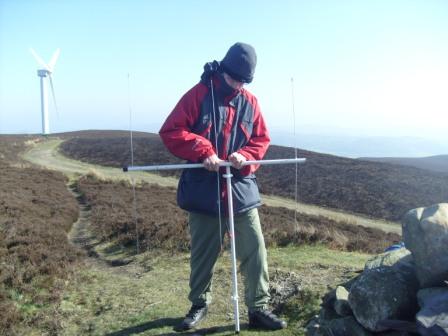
(375, 68)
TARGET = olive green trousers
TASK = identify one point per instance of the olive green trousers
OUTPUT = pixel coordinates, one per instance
(250, 250)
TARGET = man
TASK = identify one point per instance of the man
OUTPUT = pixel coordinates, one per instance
(215, 121)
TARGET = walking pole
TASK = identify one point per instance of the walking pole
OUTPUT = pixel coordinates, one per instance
(228, 176)
(236, 312)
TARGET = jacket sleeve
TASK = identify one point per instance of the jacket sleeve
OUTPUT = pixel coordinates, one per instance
(258, 143)
(176, 131)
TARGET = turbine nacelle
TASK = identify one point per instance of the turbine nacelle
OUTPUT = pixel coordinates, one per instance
(43, 73)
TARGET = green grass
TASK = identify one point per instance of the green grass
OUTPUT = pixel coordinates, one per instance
(149, 296)
(293, 257)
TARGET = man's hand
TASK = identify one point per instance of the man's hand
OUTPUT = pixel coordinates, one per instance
(212, 163)
(237, 160)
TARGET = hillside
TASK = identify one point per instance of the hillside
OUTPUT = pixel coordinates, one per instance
(162, 224)
(437, 163)
(50, 287)
(36, 258)
(375, 189)
(11, 145)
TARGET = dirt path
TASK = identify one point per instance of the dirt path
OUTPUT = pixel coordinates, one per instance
(113, 292)
(82, 236)
(46, 154)
(79, 234)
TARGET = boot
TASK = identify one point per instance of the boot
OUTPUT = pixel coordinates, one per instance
(193, 317)
(266, 320)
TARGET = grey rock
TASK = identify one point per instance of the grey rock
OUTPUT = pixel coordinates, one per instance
(400, 260)
(433, 315)
(383, 294)
(347, 326)
(433, 331)
(327, 313)
(342, 326)
(400, 325)
(426, 295)
(425, 234)
(341, 305)
(314, 328)
(394, 333)
(329, 299)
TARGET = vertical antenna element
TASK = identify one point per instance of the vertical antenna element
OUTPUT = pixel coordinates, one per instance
(134, 197)
(135, 215)
(130, 119)
(217, 153)
(295, 153)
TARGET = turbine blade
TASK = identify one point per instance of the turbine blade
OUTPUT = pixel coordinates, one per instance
(54, 59)
(38, 59)
(53, 95)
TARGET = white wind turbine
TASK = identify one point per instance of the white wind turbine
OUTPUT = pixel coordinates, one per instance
(46, 70)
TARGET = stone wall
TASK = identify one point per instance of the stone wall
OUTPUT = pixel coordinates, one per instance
(400, 292)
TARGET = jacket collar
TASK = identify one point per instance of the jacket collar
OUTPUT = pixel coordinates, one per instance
(223, 89)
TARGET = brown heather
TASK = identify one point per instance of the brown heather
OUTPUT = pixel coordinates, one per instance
(36, 211)
(161, 224)
(378, 190)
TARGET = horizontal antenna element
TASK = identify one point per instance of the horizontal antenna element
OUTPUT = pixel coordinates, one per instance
(222, 164)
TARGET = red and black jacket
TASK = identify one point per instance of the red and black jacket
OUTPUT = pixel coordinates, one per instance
(189, 133)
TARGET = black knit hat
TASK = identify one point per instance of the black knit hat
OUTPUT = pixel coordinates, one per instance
(240, 62)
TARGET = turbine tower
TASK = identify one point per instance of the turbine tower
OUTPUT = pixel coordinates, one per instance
(43, 73)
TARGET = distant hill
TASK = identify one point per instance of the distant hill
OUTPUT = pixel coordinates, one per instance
(437, 163)
(363, 146)
(375, 189)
